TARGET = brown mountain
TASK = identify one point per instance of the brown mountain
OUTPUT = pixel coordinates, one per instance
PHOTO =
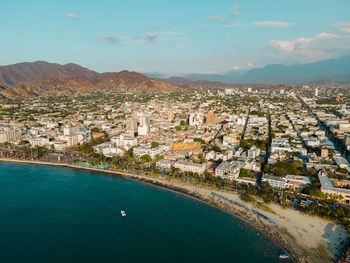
(43, 78)
(134, 80)
(41, 70)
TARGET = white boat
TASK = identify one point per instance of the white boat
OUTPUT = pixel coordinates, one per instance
(123, 213)
(284, 256)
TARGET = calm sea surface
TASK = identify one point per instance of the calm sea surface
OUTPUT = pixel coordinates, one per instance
(54, 214)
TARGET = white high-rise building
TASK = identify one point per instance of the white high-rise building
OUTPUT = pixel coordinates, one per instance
(195, 119)
(228, 91)
(316, 92)
(131, 126)
(10, 135)
(170, 115)
(123, 141)
(143, 130)
(68, 130)
(144, 120)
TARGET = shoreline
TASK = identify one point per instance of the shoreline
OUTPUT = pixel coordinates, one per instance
(289, 233)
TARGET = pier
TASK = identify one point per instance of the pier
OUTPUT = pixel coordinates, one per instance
(245, 207)
(229, 200)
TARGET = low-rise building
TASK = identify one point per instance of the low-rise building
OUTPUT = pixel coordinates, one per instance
(328, 187)
(274, 181)
(297, 181)
(165, 164)
(190, 167)
(227, 170)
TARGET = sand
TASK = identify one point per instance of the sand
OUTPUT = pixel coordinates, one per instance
(305, 238)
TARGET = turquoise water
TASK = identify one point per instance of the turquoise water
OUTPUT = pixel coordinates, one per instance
(54, 214)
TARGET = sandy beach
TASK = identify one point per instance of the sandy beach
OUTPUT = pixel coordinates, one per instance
(305, 238)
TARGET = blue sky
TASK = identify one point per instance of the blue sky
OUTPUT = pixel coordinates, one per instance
(174, 37)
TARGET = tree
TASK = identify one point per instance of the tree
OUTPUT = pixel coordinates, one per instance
(342, 170)
(183, 123)
(199, 140)
(158, 158)
(216, 148)
(267, 168)
(245, 173)
(154, 144)
(245, 144)
(146, 158)
(40, 151)
(129, 154)
(285, 167)
(201, 158)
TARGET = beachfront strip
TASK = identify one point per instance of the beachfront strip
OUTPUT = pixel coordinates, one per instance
(275, 144)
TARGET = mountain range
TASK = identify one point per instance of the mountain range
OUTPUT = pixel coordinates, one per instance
(44, 78)
(330, 70)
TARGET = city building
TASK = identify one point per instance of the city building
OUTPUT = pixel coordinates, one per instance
(186, 166)
(328, 187)
(10, 135)
(227, 170)
(274, 181)
(186, 145)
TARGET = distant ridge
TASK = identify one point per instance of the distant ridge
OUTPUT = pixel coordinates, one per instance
(326, 70)
(331, 69)
(43, 78)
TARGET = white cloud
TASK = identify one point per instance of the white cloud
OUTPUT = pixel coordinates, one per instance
(299, 45)
(235, 11)
(250, 65)
(324, 35)
(341, 24)
(137, 40)
(71, 16)
(112, 39)
(214, 18)
(272, 24)
(342, 27)
(150, 37)
(321, 46)
(217, 18)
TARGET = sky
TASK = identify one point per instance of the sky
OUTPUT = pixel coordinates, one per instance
(174, 37)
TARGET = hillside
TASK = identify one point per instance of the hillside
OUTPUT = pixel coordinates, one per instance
(41, 70)
(331, 70)
(43, 78)
(334, 70)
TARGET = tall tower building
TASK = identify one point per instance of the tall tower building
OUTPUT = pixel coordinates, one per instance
(170, 116)
(131, 126)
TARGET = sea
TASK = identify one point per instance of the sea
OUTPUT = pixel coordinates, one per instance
(57, 214)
